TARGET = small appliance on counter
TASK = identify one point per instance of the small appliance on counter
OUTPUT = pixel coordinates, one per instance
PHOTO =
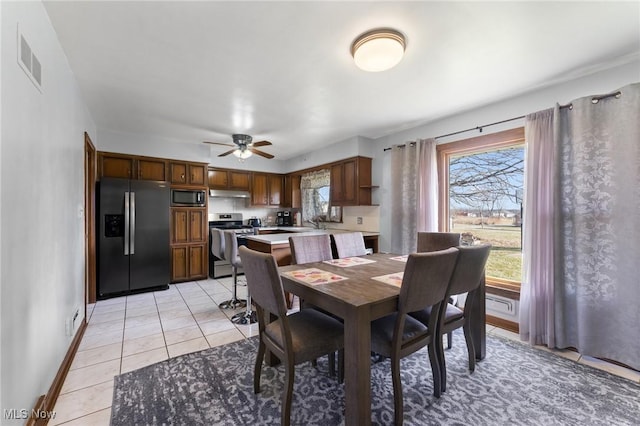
(284, 218)
(254, 222)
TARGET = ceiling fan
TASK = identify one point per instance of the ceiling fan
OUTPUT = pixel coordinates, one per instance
(244, 147)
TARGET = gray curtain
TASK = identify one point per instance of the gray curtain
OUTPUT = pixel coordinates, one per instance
(413, 193)
(597, 249)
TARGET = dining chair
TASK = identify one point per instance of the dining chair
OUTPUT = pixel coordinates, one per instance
(466, 278)
(434, 241)
(310, 248)
(294, 339)
(349, 244)
(315, 248)
(231, 254)
(424, 284)
(219, 249)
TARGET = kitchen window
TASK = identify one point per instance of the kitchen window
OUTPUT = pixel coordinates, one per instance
(481, 188)
(316, 203)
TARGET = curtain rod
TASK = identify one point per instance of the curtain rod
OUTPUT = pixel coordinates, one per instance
(478, 128)
(594, 100)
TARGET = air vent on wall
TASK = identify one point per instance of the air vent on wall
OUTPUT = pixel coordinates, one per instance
(29, 62)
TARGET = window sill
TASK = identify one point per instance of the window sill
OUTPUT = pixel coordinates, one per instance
(504, 288)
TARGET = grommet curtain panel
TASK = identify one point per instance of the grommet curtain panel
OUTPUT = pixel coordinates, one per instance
(414, 193)
(593, 305)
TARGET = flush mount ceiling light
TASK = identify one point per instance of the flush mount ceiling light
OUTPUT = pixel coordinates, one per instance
(378, 50)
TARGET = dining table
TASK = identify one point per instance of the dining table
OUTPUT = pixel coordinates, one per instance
(359, 290)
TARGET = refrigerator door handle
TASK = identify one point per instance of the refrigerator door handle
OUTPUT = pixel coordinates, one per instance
(126, 223)
(132, 239)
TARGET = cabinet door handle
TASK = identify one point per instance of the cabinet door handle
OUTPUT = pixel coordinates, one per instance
(182, 176)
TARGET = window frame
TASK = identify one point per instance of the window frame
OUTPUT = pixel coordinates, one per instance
(444, 152)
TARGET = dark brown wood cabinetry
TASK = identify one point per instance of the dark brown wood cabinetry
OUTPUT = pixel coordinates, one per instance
(131, 167)
(229, 179)
(351, 182)
(292, 196)
(267, 189)
(188, 243)
(191, 174)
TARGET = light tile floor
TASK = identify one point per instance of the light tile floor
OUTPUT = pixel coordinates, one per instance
(131, 332)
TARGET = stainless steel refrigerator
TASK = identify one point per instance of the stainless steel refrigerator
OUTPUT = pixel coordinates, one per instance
(133, 236)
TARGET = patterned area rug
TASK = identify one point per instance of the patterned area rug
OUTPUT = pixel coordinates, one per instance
(515, 385)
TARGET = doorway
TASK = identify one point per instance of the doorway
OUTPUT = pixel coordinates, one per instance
(89, 220)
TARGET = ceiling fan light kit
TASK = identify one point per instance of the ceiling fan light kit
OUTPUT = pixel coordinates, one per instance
(378, 50)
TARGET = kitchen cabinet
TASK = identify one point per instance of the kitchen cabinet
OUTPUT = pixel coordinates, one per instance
(266, 189)
(228, 179)
(131, 167)
(292, 196)
(351, 182)
(192, 174)
(189, 243)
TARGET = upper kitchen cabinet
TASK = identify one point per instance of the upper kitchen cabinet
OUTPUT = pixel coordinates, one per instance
(229, 179)
(192, 174)
(292, 196)
(351, 182)
(131, 167)
(266, 189)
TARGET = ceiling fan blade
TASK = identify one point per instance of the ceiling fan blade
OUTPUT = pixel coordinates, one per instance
(227, 153)
(261, 143)
(218, 143)
(262, 153)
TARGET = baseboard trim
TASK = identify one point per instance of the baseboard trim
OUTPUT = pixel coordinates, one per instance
(44, 406)
(503, 323)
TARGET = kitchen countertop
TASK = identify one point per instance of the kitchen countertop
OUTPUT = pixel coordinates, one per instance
(284, 237)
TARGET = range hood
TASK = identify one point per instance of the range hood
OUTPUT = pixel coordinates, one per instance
(224, 193)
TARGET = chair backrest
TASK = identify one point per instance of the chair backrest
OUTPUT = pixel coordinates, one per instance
(263, 281)
(231, 248)
(434, 241)
(217, 243)
(310, 248)
(349, 244)
(426, 279)
(469, 268)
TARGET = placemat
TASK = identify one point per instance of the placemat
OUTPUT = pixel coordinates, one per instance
(348, 261)
(314, 276)
(401, 258)
(393, 279)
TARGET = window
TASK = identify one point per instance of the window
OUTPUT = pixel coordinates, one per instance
(481, 195)
(315, 191)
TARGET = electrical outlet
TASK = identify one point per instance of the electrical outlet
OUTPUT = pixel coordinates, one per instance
(359, 220)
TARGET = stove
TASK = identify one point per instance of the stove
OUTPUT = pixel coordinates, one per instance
(227, 222)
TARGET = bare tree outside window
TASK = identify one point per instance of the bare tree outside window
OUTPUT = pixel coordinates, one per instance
(485, 196)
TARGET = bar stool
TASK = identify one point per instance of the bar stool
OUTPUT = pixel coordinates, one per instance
(219, 249)
(231, 254)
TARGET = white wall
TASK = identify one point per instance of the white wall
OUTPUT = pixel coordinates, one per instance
(42, 193)
(598, 83)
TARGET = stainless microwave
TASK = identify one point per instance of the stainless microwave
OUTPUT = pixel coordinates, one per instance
(188, 197)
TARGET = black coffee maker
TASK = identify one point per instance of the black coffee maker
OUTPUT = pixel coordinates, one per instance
(284, 218)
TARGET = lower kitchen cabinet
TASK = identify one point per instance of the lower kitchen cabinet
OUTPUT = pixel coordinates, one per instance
(189, 262)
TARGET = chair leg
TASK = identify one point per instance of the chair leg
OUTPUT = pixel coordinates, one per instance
(397, 391)
(332, 363)
(442, 365)
(341, 366)
(287, 394)
(450, 340)
(436, 370)
(257, 370)
(471, 350)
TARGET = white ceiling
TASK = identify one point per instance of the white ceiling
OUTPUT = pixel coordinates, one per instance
(282, 71)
